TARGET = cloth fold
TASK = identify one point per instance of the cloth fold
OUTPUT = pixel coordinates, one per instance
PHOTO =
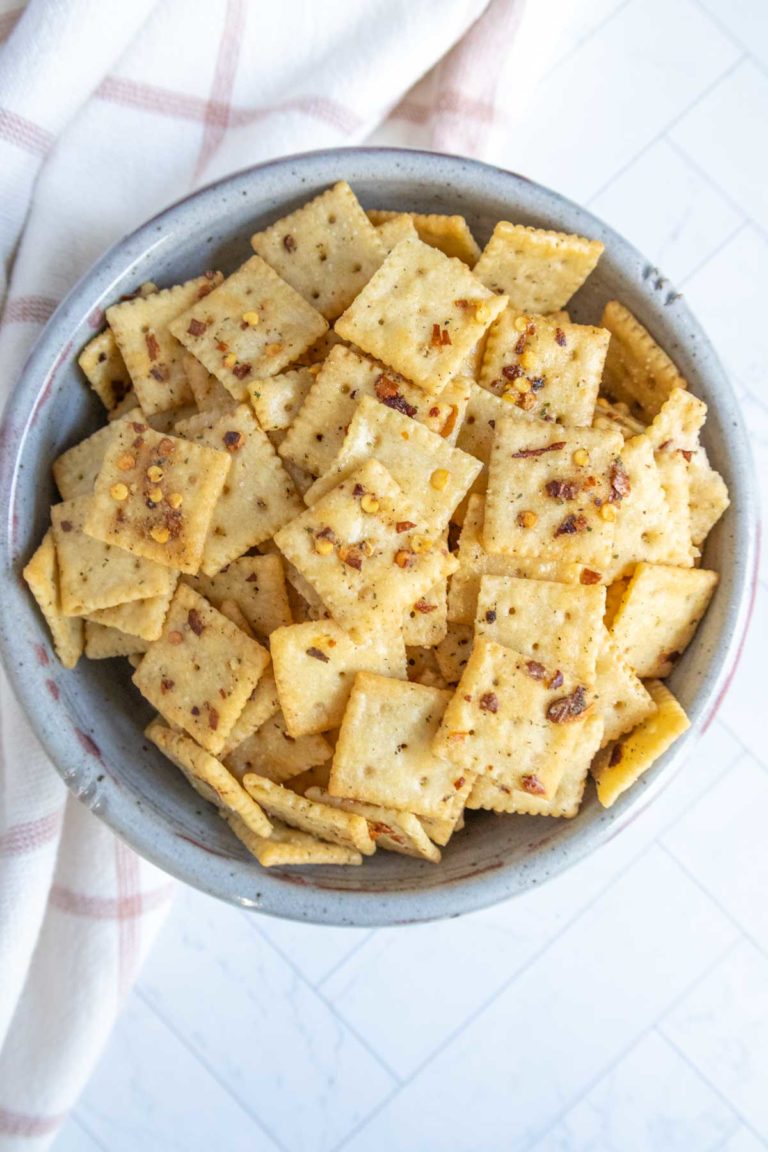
(108, 113)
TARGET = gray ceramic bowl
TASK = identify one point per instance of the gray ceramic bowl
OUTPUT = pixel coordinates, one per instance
(90, 721)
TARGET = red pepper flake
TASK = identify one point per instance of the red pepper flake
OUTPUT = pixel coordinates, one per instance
(461, 303)
(153, 347)
(166, 685)
(526, 401)
(233, 441)
(213, 718)
(166, 446)
(197, 327)
(433, 413)
(160, 372)
(405, 559)
(318, 654)
(537, 383)
(556, 681)
(536, 670)
(195, 710)
(562, 489)
(289, 243)
(222, 346)
(511, 371)
(619, 481)
(573, 523)
(175, 637)
(616, 754)
(533, 785)
(66, 525)
(195, 621)
(445, 337)
(404, 525)
(490, 616)
(524, 453)
(520, 345)
(241, 371)
(424, 606)
(489, 702)
(687, 455)
(326, 533)
(589, 576)
(352, 557)
(436, 341)
(568, 707)
(560, 337)
(458, 784)
(386, 391)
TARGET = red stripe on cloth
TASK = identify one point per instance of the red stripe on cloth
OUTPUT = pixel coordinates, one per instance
(314, 107)
(127, 905)
(15, 129)
(219, 105)
(31, 835)
(29, 310)
(129, 894)
(448, 102)
(21, 1124)
(149, 98)
(8, 22)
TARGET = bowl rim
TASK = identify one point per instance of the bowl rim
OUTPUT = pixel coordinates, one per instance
(292, 896)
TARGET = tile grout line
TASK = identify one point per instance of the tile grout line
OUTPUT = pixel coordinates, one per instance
(730, 35)
(362, 1040)
(81, 1123)
(685, 155)
(731, 732)
(584, 40)
(740, 227)
(340, 963)
(661, 134)
(625, 1050)
(182, 1039)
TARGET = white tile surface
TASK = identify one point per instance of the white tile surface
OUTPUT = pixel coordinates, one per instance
(624, 1006)
(722, 1028)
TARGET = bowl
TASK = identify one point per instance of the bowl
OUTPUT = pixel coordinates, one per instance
(90, 720)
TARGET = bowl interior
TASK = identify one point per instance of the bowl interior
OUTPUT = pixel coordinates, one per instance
(91, 720)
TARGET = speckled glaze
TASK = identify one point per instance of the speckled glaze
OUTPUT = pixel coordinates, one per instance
(90, 721)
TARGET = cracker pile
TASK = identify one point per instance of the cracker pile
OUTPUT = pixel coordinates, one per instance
(438, 557)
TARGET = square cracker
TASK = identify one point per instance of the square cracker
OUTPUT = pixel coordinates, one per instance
(509, 722)
(380, 562)
(321, 820)
(287, 846)
(658, 615)
(207, 391)
(75, 471)
(451, 234)
(315, 666)
(272, 753)
(474, 562)
(399, 226)
(237, 350)
(560, 625)
(637, 370)
(139, 618)
(545, 368)
(534, 473)
(676, 425)
(621, 764)
(327, 249)
(620, 697)
(276, 400)
(105, 370)
(422, 667)
(418, 460)
(421, 313)
(392, 830)
(258, 496)
(483, 412)
(539, 271)
(618, 416)
(384, 752)
(453, 652)
(151, 353)
(426, 622)
(256, 584)
(708, 496)
(497, 796)
(103, 643)
(202, 670)
(95, 575)
(318, 431)
(261, 705)
(209, 777)
(42, 577)
(170, 528)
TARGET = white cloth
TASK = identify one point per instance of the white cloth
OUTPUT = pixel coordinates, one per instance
(109, 111)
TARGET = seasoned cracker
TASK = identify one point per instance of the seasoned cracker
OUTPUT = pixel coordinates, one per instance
(708, 496)
(384, 752)
(207, 391)
(232, 610)
(151, 353)
(418, 460)
(317, 433)
(308, 815)
(658, 615)
(621, 764)
(202, 670)
(613, 597)
(105, 369)
(287, 846)
(421, 313)
(75, 471)
(453, 652)
(313, 778)
(441, 831)
(425, 624)
(545, 368)
(539, 271)
(371, 564)
(277, 399)
(560, 625)
(94, 575)
(315, 666)
(620, 697)
(103, 643)
(155, 496)
(545, 483)
(209, 777)
(676, 425)
(399, 226)
(392, 830)
(476, 434)
(252, 325)
(422, 667)
(271, 752)
(127, 406)
(139, 618)
(616, 415)
(637, 370)
(675, 545)
(451, 234)
(42, 577)
(327, 250)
